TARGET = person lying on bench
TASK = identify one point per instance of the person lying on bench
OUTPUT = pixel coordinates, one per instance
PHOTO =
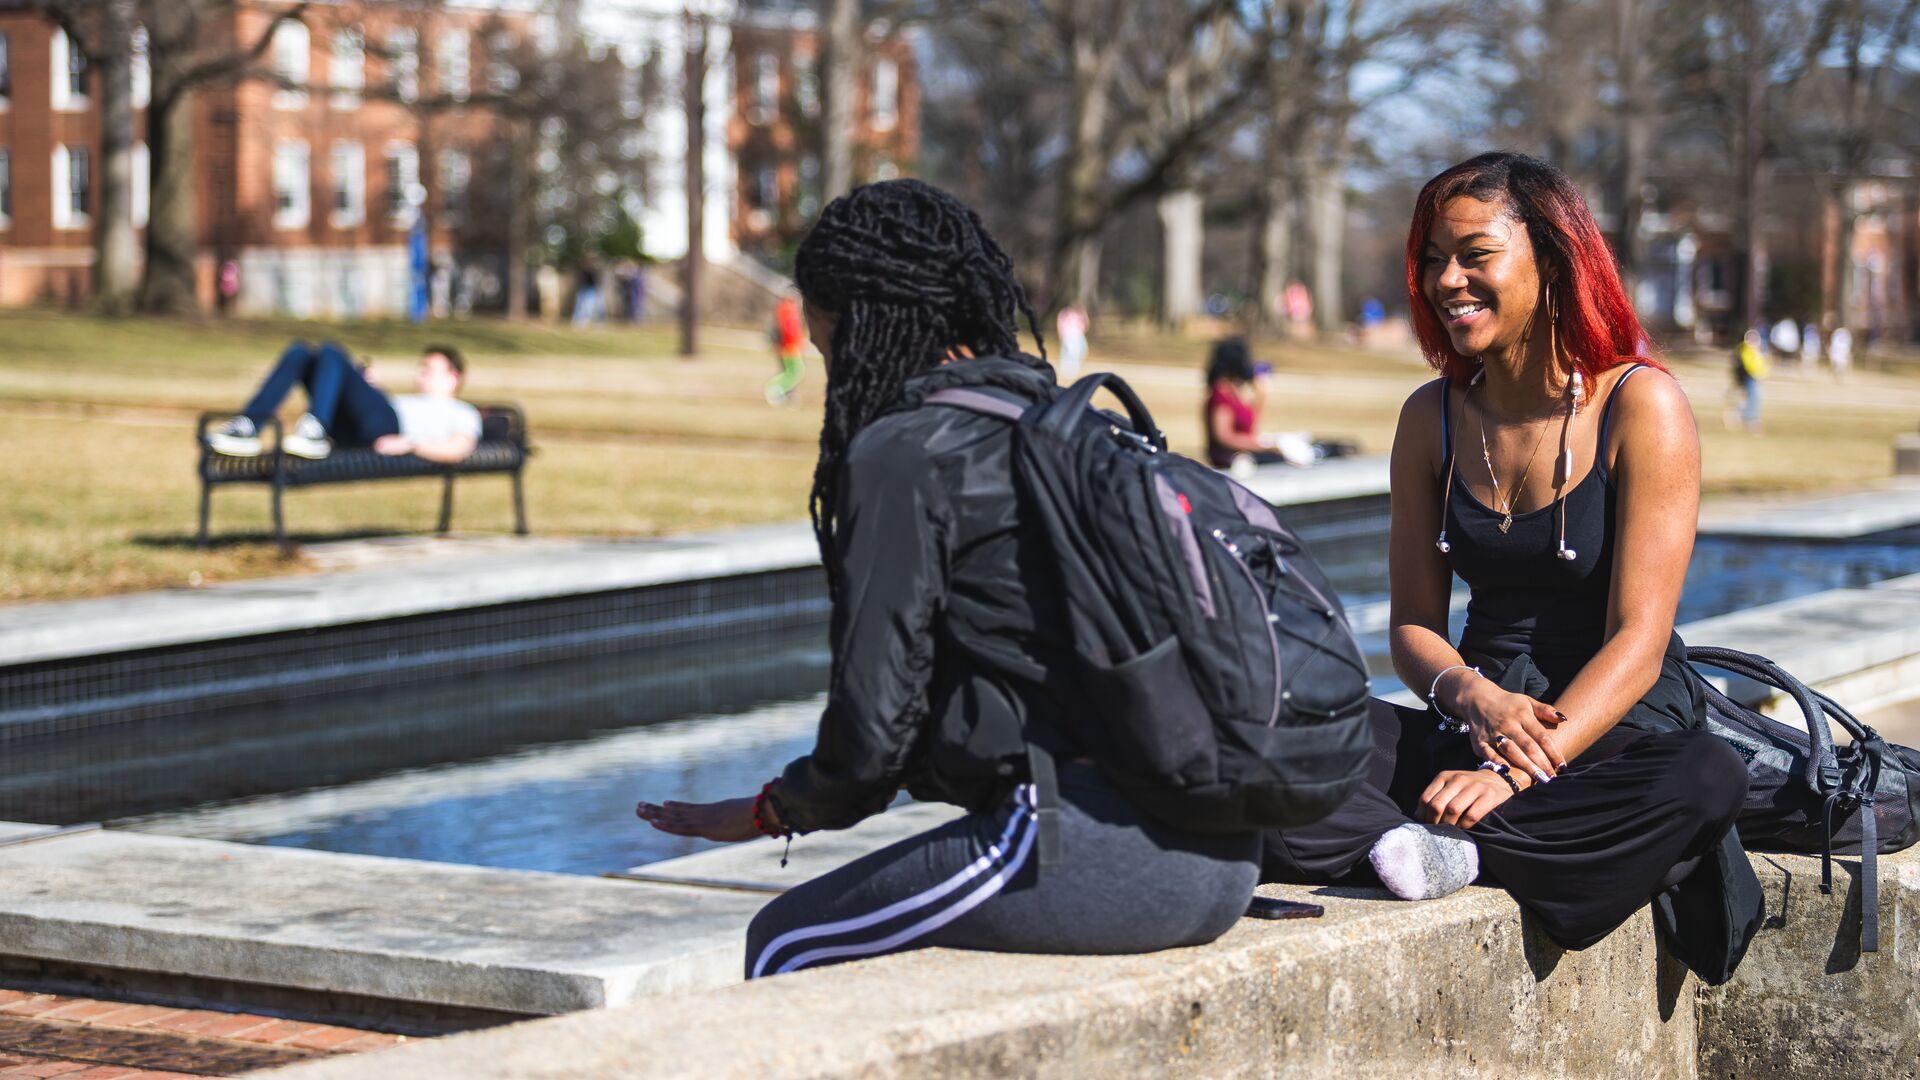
(344, 408)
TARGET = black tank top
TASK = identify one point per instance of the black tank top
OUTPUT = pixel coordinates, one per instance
(1524, 598)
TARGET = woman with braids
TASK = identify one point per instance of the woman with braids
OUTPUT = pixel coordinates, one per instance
(1557, 472)
(947, 637)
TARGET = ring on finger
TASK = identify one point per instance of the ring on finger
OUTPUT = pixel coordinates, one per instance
(1499, 741)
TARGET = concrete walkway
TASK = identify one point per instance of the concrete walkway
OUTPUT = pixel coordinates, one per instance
(1846, 516)
(388, 579)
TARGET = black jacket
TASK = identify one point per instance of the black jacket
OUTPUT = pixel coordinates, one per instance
(947, 634)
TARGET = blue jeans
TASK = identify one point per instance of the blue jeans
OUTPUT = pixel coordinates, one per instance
(353, 411)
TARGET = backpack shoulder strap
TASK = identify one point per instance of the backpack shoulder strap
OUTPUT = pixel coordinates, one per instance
(961, 397)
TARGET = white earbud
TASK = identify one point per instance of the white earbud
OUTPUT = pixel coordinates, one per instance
(1445, 548)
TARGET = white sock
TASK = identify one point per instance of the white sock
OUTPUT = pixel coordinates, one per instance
(1416, 862)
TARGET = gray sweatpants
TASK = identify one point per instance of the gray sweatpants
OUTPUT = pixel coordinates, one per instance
(1124, 884)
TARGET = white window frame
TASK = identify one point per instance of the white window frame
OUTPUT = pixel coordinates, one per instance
(140, 69)
(400, 207)
(65, 215)
(347, 67)
(63, 55)
(766, 88)
(403, 62)
(140, 202)
(883, 102)
(292, 59)
(456, 183)
(347, 165)
(6, 71)
(453, 54)
(806, 84)
(6, 187)
(292, 178)
(502, 76)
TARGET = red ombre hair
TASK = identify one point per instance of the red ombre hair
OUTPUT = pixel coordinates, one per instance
(1594, 321)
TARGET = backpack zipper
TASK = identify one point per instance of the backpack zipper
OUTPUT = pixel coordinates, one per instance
(1273, 640)
(1326, 606)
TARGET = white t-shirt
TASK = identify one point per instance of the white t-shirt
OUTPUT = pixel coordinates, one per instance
(435, 419)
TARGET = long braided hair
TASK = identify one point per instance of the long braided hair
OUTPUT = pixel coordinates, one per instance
(915, 281)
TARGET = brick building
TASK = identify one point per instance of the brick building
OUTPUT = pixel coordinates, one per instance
(311, 193)
(773, 132)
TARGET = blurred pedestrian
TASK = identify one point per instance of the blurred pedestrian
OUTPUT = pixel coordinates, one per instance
(1840, 351)
(789, 337)
(1749, 368)
(1810, 346)
(227, 285)
(588, 306)
(1785, 338)
(1071, 324)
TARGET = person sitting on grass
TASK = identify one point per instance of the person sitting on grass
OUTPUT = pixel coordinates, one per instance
(344, 408)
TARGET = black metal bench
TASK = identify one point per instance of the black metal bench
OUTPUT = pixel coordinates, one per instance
(503, 449)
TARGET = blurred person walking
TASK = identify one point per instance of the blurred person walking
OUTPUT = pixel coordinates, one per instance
(1810, 346)
(789, 339)
(1750, 368)
(1840, 351)
(1071, 325)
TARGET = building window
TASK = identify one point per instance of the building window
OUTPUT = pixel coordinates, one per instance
(886, 94)
(403, 62)
(502, 76)
(808, 203)
(71, 184)
(292, 185)
(456, 177)
(6, 67)
(348, 167)
(806, 85)
(141, 70)
(403, 181)
(292, 48)
(347, 70)
(766, 88)
(455, 55)
(764, 192)
(69, 73)
(142, 200)
(6, 188)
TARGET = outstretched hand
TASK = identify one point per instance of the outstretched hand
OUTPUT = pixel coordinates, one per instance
(727, 821)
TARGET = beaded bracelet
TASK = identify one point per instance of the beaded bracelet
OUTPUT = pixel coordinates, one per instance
(1448, 725)
(1503, 771)
(766, 828)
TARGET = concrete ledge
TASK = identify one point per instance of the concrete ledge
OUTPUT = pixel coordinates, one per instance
(1892, 505)
(1453, 987)
(393, 929)
(755, 866)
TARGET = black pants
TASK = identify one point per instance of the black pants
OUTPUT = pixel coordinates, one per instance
(1632, 816)
(1124, 884)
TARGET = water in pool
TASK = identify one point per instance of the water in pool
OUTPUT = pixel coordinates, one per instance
(539, 768)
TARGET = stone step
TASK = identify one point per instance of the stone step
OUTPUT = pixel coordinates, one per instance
(1454, 987)
(393, 929)
(755, 866)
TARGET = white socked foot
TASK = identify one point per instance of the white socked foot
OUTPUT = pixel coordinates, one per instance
(1416, 862)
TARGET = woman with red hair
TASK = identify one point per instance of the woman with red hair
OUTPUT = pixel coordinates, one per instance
(1563, 754)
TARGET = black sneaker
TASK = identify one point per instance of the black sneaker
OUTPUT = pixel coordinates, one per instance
(235, 437)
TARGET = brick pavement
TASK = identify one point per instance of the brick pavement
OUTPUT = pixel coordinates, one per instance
(74, 1038)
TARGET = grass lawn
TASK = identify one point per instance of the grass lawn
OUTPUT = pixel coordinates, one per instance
(96, 420)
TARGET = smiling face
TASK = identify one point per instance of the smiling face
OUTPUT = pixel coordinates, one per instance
(1480, 276)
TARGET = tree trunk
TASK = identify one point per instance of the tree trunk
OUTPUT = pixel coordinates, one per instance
(115, 253)
(518, 194)
(1273, 249)
(1327, 204)
(840, 64)
(1840, 270)
(1183, 238)
(1636, 136)
(1075, 273)
(169, 285)
(1747, 238)
(694, 75)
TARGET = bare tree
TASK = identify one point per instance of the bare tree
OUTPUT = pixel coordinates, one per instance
(191, 45)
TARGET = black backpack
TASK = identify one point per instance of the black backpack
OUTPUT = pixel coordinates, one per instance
(1224, 690)
(1804, 794)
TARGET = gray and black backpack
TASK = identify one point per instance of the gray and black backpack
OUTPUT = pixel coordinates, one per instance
(1222, 686)
(1805, 794)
